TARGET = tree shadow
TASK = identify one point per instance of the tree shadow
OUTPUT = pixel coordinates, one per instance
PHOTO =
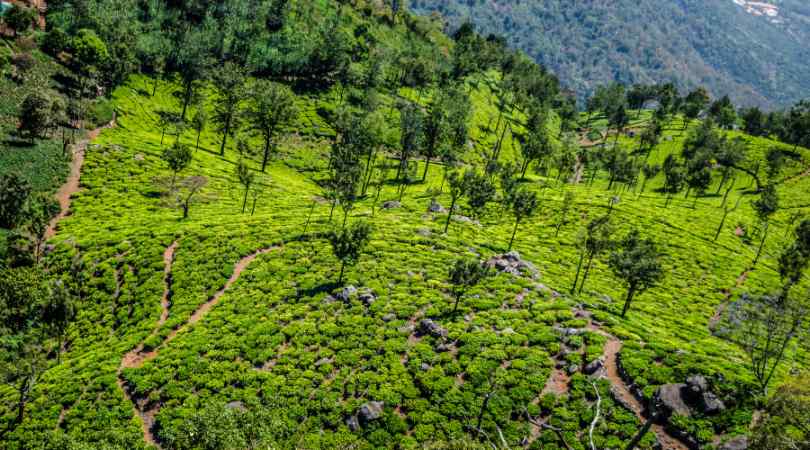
(325, 287)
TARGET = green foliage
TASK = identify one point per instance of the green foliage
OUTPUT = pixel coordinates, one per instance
(785, 423)
(14, 192)
(637, 263)
(35, 114)
(178, 157)
(348, 243)
(90, 51)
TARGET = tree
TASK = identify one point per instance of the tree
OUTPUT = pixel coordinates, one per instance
(524, 203)
(618, 119)
(598, 238)
(754, 121)
(765, 325)
(650, 171)
(35, 114)
(537, 147)
(348, 243)
(190, 187)
(19, 18)
(177, 157)
(345, 164)
(437, 129)
(271, 109)
(464, 274)
(765, 207)
(479, 190)
(229, 80)
(785, 422)
(59, 312)
(723, 112)
(458, 188)
(245, 177)
(694, 103)
(199, 122)
(412, 121)
(14, 192)
(674, 176)
(637, 263)
(567, 204)
(794, 260)
(24, 347)
(89, 51)
(39, 212)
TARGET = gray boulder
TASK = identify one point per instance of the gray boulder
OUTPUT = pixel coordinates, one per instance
(697, 384)
(670, 398)
(389, 317)
(346, 294)
(367, 297)
(710, 404)
(572, 369)
(592, 367)
(371, 411)
(391, 204)
(429, 327)
(435, 207)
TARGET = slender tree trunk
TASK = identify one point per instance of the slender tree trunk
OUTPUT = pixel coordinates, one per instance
(266, 152)
(186, 99)
(253, 208)
(483, 410)
(762, 243)
(244, 202)
(155, 86)
(197, 147)
(631, 291)
(458, 298)
(514, 232)
(585, 275)
(720, 227)
(427, 165)
(342, 268)
(332, 209)
(449, 214)
(225, 137)
(309, 216)
(579, 268)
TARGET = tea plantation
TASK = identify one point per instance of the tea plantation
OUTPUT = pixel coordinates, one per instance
(212, 311)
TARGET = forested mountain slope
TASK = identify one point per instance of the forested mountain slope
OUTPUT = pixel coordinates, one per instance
(755, 59)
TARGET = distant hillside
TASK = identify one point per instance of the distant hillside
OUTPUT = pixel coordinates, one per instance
(754, 52)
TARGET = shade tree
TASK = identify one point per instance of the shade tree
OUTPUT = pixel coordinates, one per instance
(523, 205)
(177, 158)
(14, 192)
(464, 274)
(765, 206)
(637, 262)
(272, 107)
(596, 239)
(245, 177)
(229, 80)
(348, 243)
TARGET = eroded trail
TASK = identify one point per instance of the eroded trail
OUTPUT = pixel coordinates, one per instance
(135, 358)
(71, 185)
(621, 391)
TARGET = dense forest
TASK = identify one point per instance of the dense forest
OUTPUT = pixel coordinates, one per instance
(715, 44)
(256, 224)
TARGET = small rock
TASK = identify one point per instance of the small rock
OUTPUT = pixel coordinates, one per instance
(711, 404)
(371, 411)
(559, 364)
(389, 317)
(435, 207)
(572, 369)
(391, 204)
(735, 443)
(345, 294)
(352, 423)
(138, 157)
(592, 367)
(323, 361)
(443, 347)
(237, 405)
(427, 326)
(406, 329)
(697, 384)
(367, 297)
(424, 367)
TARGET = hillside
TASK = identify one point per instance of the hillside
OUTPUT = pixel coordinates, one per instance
(755, 58)
(354, 231)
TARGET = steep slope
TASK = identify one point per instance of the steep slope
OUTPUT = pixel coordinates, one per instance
(755, 58)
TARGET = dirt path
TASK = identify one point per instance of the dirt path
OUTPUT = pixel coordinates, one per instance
(721, 308)
(71, 185)
(137, 357)
(621, 391)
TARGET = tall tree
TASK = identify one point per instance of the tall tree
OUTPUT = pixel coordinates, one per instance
(35, 114)
(272, 108)
(245, 178)
(199, 122)
(229, 80)
(177, 157)
(464, 274)
(598, 238)
(412, 122)
(765, 207)
(14, 191)
(524, 204)
(348, 243)
(637, 263)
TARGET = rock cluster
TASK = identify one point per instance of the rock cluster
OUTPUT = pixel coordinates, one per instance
(348, 293)
(431, 328)
(435, 207)
(368, 412)
(683, 398)
(512, 263)
(391, 204)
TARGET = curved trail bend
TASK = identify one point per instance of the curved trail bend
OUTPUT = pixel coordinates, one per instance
(71, 185)
(136, 357)
(622, 392)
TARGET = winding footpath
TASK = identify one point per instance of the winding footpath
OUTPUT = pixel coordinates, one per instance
(622, 392)
(71, 185)
(137, 357)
